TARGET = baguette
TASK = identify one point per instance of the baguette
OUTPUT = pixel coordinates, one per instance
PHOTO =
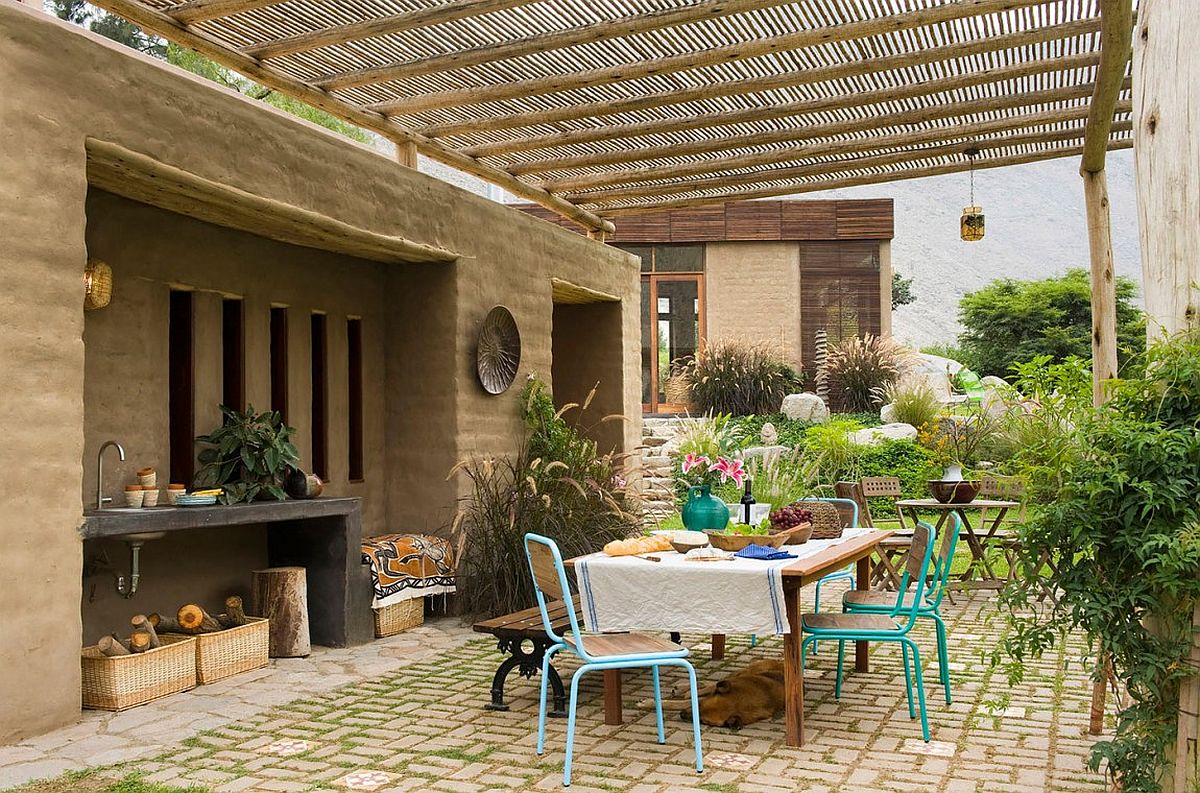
(639, 545)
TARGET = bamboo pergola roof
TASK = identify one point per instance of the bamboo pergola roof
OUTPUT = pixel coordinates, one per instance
(598, 108)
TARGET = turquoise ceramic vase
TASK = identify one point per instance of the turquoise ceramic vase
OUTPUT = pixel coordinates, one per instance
(703, 510)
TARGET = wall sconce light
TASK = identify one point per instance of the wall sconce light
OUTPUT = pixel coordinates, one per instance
(97, 285)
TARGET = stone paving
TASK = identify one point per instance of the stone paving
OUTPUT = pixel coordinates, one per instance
(358, 720)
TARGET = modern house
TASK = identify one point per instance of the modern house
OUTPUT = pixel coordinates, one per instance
(770, 271)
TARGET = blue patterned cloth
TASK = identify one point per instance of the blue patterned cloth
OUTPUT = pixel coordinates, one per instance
(764, 552)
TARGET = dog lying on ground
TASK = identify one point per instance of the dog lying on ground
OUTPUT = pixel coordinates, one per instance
(752, 694)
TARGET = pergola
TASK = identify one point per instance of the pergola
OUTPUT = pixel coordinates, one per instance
(600, 108)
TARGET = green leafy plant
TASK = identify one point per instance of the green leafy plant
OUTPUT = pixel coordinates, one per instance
(1124, 532)
(914, 404)
(1011, 321)
(248, 456)
(739, 379)
(555, 485)
(861, 369)
(710, 436)
(831, 444)
(778, 478)
(964, 438)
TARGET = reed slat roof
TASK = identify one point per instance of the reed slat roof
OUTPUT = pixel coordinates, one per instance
(607, 107)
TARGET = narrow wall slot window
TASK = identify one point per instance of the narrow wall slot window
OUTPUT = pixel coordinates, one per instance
(233, 357)
(279, 361)
(180, 375)
(320, 397)
(354, 357)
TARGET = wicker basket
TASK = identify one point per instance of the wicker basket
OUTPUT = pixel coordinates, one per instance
(399, 617)
(222, 654)
(826, 520)
(678, 390)
(130, 680)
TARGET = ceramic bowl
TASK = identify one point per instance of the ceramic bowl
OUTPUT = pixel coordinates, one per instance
(953, 492)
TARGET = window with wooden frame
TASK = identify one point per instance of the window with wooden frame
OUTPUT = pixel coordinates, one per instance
(233, 354)
(279, 361)
(181, 431)
(354, 359)
(319, 345)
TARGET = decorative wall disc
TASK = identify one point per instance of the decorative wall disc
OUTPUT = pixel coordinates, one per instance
(498, 355)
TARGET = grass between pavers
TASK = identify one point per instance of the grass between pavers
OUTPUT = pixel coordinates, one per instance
(98, 780)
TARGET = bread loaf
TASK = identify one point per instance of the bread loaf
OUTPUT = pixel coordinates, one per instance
(637, 545)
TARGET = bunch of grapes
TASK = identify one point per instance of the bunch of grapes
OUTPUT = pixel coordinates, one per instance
(788, 517)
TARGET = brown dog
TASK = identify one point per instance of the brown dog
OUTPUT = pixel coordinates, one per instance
(752, 694)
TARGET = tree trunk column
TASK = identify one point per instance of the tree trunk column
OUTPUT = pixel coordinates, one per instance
(1104, 287)
(281, 595)
(1166, 71)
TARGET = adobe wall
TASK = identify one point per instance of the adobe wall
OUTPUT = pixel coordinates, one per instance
(65, 86)
(752, 293)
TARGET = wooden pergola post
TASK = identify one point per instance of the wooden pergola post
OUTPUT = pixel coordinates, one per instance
(1116, 30)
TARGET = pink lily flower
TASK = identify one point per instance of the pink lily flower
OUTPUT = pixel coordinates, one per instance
(731, 469)
(693, 460)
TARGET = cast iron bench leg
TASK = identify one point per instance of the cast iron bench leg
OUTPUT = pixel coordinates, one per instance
(529, 663)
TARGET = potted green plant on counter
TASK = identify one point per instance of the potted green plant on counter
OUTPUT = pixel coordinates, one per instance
(249, 456)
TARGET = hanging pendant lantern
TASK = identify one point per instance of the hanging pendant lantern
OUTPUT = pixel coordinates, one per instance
(971, 223)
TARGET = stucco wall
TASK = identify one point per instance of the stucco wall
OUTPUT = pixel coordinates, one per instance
(752, 293)
(64, 86)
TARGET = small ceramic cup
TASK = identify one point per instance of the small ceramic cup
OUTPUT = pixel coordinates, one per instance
(149, 497)
(134, 495)
(147, 477)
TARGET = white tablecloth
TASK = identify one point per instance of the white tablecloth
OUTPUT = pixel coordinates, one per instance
(624, 593)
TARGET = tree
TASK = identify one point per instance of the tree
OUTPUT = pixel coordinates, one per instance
(1011, 321)
(901, 290)
(110, 26)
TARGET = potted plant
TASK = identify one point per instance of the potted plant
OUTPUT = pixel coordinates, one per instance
(248, 456)
(956, 442)
(702, 510)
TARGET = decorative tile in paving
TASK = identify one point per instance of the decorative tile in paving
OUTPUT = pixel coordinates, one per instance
(286, 747)
(730, 761)
(365, 780)
(935, 748)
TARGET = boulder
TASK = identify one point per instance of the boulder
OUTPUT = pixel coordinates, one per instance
(765, 452)
(933, 371)
(991, 381)
(805, 407)
(887, 413)
(873, 436)
(768, 435)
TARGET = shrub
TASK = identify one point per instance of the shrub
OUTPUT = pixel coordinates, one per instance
(778, 479)
(709, 436)
(749, 428)
(555, 485)
(1010, 321)
(739, 379)
(1125, 533)
(914, 404)
(860, 369)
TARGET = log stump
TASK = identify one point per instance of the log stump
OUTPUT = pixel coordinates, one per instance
(281, 595)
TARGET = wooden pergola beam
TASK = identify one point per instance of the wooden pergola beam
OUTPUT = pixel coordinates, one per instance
(694, 60)
(840, 146)
(650, 101)
(829, 168)
(786, 110)
(194, 11)
(869, 123)
(546, 42)
(855, 181)
(382, 26)
(168, 27)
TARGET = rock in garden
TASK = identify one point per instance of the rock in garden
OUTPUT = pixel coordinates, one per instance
(933, 371)
(887, 413)
(768, 435)
(766, 452)
(873, 436)
(805, 407)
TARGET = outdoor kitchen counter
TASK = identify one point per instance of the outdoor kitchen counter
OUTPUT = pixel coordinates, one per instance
(323, 535)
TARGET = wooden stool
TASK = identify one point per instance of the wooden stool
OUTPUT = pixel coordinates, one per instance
(281, 595)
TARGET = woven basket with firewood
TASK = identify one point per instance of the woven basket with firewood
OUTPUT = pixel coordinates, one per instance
(226, 644)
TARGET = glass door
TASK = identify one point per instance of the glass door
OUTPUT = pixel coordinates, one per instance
(672, 333)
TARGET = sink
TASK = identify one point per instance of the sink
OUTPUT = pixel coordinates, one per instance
(143, 536)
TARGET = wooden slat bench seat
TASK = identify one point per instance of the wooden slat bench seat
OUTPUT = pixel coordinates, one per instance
(512, 632)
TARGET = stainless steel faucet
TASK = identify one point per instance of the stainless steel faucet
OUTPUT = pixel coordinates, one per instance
(100, 499)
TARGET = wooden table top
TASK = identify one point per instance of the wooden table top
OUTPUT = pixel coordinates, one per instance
(932, 503)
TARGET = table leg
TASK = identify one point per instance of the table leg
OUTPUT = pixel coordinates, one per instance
(718, 646)
(861, 661)
(793, 672)
(978, 556)
(612, 696)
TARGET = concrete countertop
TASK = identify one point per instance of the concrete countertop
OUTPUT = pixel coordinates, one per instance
(118, 521)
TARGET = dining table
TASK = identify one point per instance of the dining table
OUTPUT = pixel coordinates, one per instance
(855, 548)
(989, 534)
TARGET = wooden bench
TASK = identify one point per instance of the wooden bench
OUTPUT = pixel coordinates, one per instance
(512, 631)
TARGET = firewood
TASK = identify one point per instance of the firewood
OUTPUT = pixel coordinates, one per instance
(139, 642)
(111, 646)
(234, 615)
(194, 619)
(141, 624)
(164, 624)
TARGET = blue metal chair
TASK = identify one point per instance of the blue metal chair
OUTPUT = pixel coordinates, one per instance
(597, 651)
(893, 626)
(882, 602)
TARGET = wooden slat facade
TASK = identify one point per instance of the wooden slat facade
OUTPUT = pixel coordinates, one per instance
(762, 221)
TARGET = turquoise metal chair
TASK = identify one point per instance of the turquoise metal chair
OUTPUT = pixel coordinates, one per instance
(893, 626)
(597, 651)
(882, 602)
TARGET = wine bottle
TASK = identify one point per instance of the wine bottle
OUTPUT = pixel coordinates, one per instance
(747, 502)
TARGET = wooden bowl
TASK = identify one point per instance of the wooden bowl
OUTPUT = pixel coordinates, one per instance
(736, 542)
(797, 535)
(948, 491)
(687, 545)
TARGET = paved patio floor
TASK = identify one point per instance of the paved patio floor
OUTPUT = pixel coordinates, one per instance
(405, 714)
